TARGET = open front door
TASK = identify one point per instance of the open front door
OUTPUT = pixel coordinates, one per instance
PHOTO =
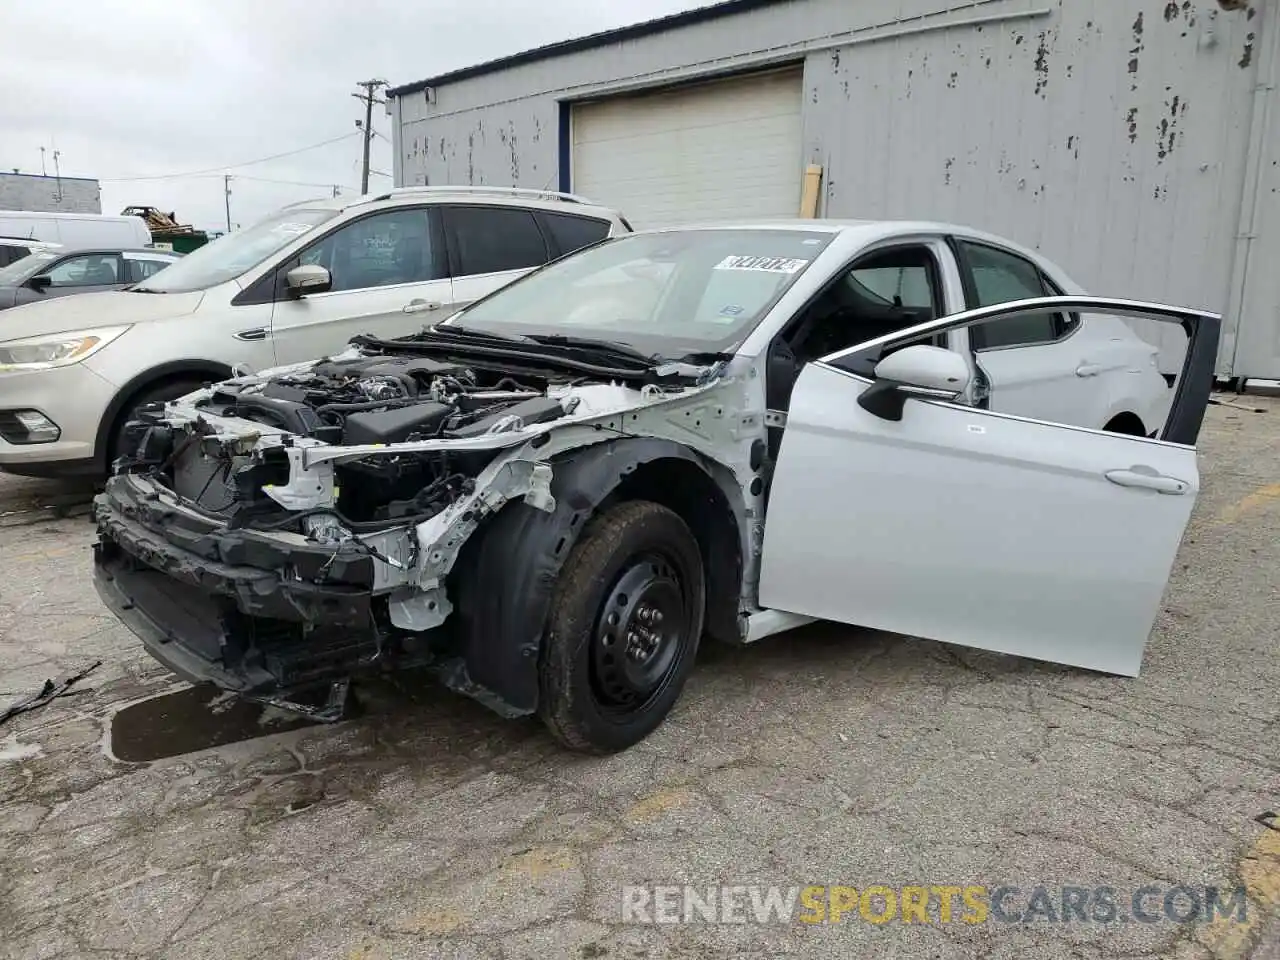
(893, 508)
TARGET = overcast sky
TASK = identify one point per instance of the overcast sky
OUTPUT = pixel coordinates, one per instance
(140, 88)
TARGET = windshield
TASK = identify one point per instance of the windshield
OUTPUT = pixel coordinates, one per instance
(230, 256)
(20, 271)
(671, 293)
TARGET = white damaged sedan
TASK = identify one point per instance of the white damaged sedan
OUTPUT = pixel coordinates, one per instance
(551, 498)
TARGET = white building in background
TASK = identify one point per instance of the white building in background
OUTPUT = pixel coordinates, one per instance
(28, 191)
(1136, 142)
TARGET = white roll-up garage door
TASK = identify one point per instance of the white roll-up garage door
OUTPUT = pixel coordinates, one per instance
(724, 149)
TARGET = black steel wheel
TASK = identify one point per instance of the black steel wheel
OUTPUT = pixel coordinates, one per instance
(623, 630)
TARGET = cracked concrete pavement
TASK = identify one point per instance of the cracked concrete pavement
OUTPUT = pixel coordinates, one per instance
(430, 828)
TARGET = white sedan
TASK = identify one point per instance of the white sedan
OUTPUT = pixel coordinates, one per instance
(1089, 370)
(551, 497)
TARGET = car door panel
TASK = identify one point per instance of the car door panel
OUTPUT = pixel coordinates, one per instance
(1043, 381)
(303, 328)
(468, 289)
(976, 528)
(1031, 367)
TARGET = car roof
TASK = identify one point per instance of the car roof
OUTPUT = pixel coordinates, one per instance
(550, 200)
(858, 232)
(106, 251)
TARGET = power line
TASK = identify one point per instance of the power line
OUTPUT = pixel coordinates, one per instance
(230, 166)
(297, 183)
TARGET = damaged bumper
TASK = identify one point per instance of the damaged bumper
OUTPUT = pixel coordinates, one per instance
(251, 612)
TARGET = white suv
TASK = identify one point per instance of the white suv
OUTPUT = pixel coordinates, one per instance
(293, 287)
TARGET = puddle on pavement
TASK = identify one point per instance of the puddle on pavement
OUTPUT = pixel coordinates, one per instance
(196, 718)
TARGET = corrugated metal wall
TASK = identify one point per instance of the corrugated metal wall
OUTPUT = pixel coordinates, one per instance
(466, 135)
(1112, 134)
(49, 194)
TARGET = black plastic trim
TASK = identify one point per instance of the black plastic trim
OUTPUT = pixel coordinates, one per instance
(507, 575)
(212, 371)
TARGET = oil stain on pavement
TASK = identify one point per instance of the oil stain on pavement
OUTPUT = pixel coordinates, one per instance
(192, 719)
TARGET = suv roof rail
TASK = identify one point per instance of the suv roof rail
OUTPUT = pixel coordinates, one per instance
(493, 191)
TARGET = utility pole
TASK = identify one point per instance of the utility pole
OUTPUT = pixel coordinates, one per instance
(369, 97)
(226, 189)
(42, 170)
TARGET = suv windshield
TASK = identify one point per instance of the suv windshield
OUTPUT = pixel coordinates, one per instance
(670, 293)
(229, 256)
(20, 271)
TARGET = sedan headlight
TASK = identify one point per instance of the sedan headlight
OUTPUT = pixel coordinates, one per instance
(55, 350)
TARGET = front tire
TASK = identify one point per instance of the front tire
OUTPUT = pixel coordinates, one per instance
(623, 628)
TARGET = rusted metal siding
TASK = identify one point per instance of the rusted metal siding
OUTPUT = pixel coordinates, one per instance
(1110, 134)
(1114, 135)
(470, 117)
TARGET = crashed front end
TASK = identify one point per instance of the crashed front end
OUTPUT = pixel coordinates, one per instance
(276, 534)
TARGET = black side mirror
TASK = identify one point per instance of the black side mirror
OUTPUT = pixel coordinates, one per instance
(42, 282)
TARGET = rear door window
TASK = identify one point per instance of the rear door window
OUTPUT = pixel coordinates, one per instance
(572, 233)
(493, 240)
(998, 276)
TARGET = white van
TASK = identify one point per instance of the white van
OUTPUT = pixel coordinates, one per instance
(75, 230)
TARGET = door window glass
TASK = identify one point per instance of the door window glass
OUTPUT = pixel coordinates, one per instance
(999, 277)
(10, 254)
(141, 269)
(574, 233)
(95, 269)
(494, 239)
(377, 251)
(882, 293)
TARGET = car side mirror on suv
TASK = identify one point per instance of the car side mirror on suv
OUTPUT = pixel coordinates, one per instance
(919, 370)
(308, 278)
(42, 282)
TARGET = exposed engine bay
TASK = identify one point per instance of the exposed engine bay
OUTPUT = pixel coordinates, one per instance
(356, 401)
(286, 529)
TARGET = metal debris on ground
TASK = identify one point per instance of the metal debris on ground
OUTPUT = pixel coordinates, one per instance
(51, 690)
(1239, 406)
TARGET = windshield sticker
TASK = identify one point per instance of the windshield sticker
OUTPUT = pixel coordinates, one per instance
(732, 310)
(766, 264)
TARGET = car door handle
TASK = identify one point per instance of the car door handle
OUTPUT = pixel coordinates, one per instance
(257, 333)
(1088, 370)
(1147, 479)
(420, 306)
